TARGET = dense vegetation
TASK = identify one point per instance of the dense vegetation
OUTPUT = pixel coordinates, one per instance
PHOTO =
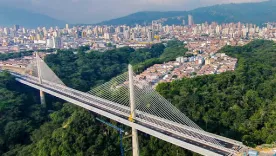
(86, 70)
(7, 56)
(258, 13)
(19, 114)
(27, 129)
(15, 55)
(240, 104)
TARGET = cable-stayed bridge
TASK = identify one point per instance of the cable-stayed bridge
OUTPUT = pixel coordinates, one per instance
(134, 103)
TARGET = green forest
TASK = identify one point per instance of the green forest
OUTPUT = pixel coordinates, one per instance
(239, 105)
(83, 71)
(19, 114)
(7, 56)
(16, 55)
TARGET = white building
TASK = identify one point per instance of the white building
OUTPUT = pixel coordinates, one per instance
(56, 42)
(49, 43)
(190, 20)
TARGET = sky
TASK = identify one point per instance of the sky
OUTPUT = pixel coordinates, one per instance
(93, 11)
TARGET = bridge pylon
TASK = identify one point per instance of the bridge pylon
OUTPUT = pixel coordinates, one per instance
(135, 142)
(42, 94)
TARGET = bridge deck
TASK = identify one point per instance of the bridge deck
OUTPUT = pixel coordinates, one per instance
(178, 135)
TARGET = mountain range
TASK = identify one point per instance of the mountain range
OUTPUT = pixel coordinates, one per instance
(11, 16)
(257, 13)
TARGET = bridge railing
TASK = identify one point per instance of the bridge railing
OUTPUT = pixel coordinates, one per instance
(162, 124)
(123, 108)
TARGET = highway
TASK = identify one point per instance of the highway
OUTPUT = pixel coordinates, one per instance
(183, 133)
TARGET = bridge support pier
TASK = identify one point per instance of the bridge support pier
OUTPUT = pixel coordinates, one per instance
(41, 93)
(135, 142)
(42, 98)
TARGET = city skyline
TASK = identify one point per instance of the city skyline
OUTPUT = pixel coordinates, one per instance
(101, 38)
(107, 9)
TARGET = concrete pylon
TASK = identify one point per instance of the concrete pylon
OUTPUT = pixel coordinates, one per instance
(41, 93)
(135, 142)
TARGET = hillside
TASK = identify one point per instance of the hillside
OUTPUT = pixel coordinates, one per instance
(239, 104)
(257, 13)
(143, 17)
(12, 16)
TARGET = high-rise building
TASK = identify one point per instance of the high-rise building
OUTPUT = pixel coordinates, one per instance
(78, 34)
(67, 26)
(119, 30)
(12, 33)
(84, 34)
(132, 35)
(38, 37)
(6, 31)
(45, 33)
(16, 27)
(55, 34)
(107, 36)
(111, 30)
(150, 35)
(49, 43)
(126, 34)
(24, 31)
(218, 29)
(190, 20)
(56, 42)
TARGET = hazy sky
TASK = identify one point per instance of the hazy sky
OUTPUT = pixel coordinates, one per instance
(92, 11)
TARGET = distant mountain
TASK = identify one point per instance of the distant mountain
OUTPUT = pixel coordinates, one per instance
(257, 13)
(143, 17)
(12, 16)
